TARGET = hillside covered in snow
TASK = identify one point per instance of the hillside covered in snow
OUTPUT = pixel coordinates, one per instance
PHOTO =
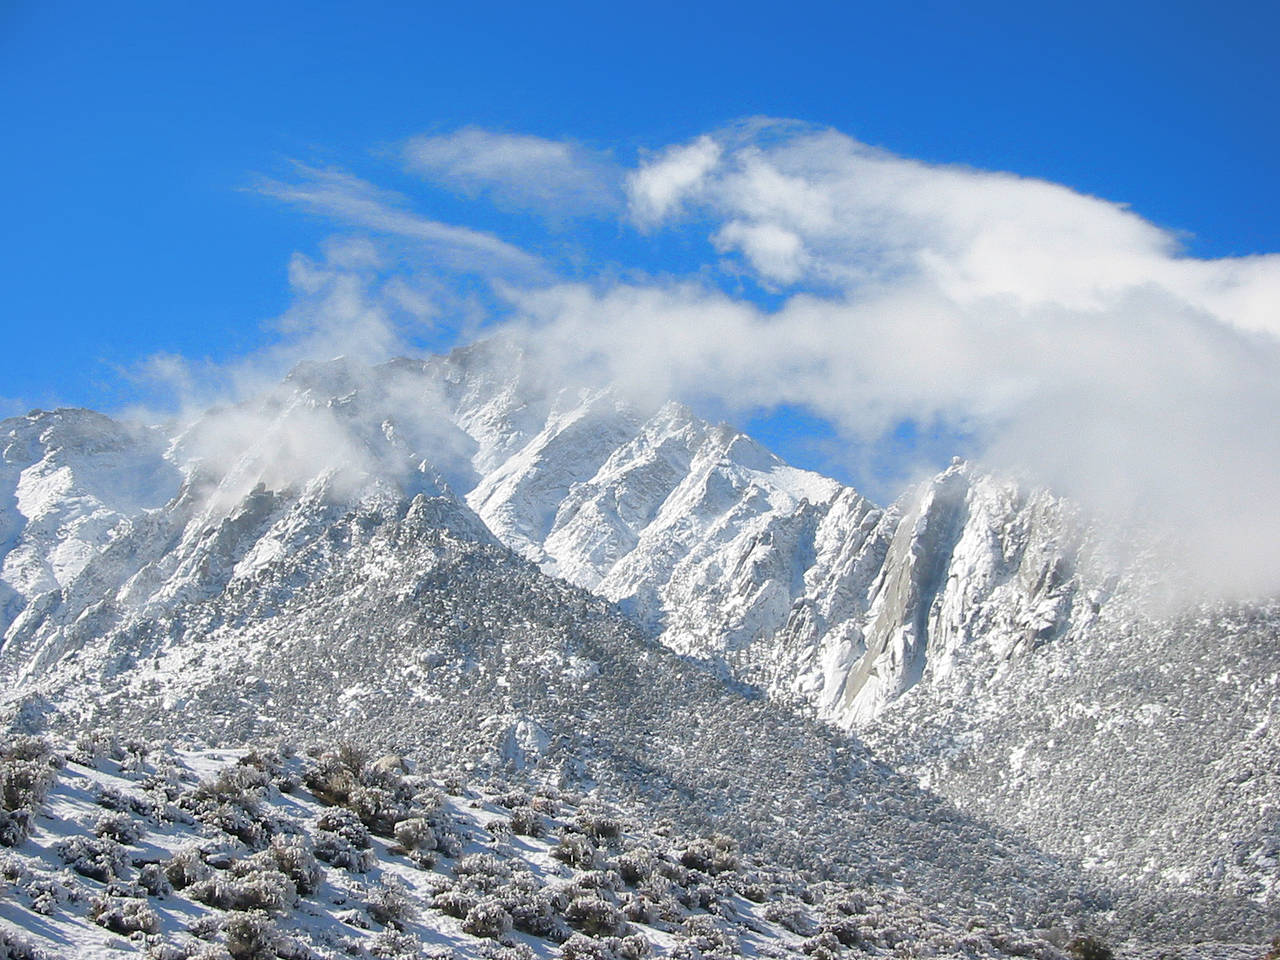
(455, 560)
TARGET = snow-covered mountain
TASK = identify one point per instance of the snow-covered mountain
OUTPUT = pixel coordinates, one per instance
(341, 541)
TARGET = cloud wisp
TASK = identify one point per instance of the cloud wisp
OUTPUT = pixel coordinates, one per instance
(555, 178)
(348, 199)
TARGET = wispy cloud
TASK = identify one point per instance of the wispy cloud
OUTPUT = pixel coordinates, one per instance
(355, 202)
(556, 178)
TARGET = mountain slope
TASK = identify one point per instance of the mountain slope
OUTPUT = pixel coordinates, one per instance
(335, 546)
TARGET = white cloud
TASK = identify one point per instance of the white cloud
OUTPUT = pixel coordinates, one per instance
(660, 188)
(350, 200)
(1073, 341)
(553, 177)
(1068, 339)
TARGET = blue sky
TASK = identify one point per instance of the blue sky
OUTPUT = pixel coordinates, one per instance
(141, 135)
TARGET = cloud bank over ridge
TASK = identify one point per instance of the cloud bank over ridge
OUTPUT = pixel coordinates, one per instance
(1062, 336)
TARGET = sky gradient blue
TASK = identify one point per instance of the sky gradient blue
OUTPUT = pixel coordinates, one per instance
(133, 130)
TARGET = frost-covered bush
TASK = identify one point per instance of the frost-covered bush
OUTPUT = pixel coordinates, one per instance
(110, 798)
(593, 881)
(1089, 948)
(488, 918)
(527, 822)
(539, 914)
(185, 867)
(152, 878)
(575, 849)
(454, 903)
(791, 914)
(99, 858)
(708, 936)
(246, 885)
(243, 786)
(481, 871)
(713, 855)
(292, 856)
(342, 840)
(123, 915)
(27, 770)
(579, 947)
(251, 936)
(598, 826)
(415, 833)
(824, 946)
(394, 944)
(345, 824)
(14, 946)
(596, 917)
(389, 905)
(119, 827)
(635, 865)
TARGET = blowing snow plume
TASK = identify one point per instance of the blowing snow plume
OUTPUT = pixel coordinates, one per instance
(1056, 336)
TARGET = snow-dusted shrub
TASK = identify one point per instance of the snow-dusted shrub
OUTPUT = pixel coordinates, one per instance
(575, 849)
(595, 880)
(152, 878)
(119, 827)
(352, 755)
(415, 833)
(234, 819)
(545, 804)
(336, 850)
(247, 885)
(454, 903)
(342, 840)
(393, 944)
(330, 779)
(378, 808)
(292, 856)
(713, 855)
(579, 947)
(598, 826)
(99, 858)
(481, 871)
(493, 950)
(389, 905)
(640, 909)
(251, 936)
(527, 822)
(13, 946)
(123, 915)
(512, 799)
(824, 946)
(345, 824)
(596, 917)
(708, 936)
(27, 770)
(1089, 948)
(790, 914)
(488, 918)
(635, 865)
(185, 867)
(539, 915)
(845, 929)
(242, 786)
(500, 830)
(111, 798)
